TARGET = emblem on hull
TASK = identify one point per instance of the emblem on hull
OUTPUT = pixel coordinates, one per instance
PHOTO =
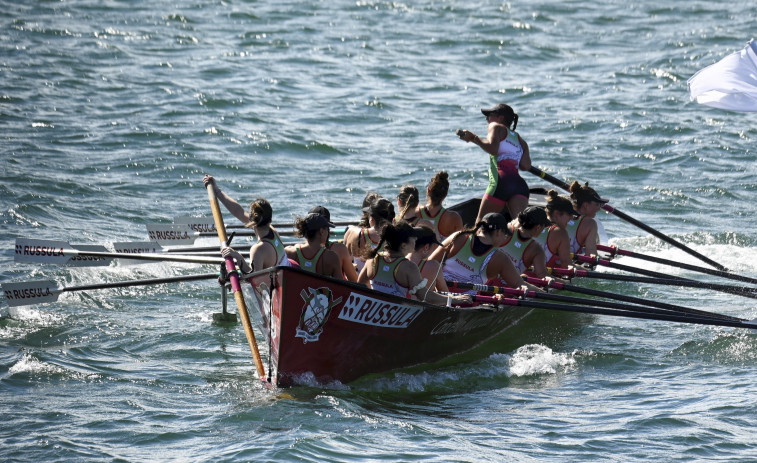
(315, 312)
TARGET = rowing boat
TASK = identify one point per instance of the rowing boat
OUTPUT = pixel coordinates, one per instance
(324, 329)
(333, 330)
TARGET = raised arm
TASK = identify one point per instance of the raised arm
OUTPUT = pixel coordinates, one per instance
(231, 205)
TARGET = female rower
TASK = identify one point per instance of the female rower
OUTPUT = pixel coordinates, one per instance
(507, 152)
(312, 255)
(443, 221)
(555, 239)
(389, 271)
(583, 231)
(524, 252)
(587, 202)
(407, 202)
(472, 257)
(380, 213)
(425, 244)
(345, 258)
(269, 250)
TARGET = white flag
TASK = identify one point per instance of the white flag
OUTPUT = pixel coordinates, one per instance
(730, 84)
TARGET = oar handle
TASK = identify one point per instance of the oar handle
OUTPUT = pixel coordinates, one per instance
(559, 183)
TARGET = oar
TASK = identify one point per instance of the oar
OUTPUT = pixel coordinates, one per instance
(626, 268)
(583, 301)
(37, 292)
(559, 183)
(61, 253)
(182, 234)
(615, 251)
(206, 224)
(234, 280)
(748, 324)
(573, 272)
(557, 284)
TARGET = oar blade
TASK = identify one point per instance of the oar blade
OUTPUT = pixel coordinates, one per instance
(82, 260)
(30, 292)
(171, 234)
(43, 251)
(198, 224)
(136, 247)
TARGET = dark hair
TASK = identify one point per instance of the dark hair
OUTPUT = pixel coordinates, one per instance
(408, 198)
(511, 119)
(261, 213)
(426, 235)
(555, 202)
(581, 194)
(302, 230)
(393, 236)
(531, 217)
(438, 187)
(489, 223)
(382, 211)
(369, 198)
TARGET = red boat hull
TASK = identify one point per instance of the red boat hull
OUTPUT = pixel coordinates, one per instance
(318, 327)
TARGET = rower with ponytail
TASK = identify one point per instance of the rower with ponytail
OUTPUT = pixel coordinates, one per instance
(387, 269)
(471, 255)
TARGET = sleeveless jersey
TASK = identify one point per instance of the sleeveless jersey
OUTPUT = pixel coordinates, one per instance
(550, 254)
(385, 280)
(278, 245)
(509, 154)
(310, 264)
(433, 219)
(514, 248)
(468, 267)
(572, 230)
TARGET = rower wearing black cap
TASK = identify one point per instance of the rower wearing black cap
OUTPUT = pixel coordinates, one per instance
(312, 255)
(471, 255)
(345, 258)
(508, 152)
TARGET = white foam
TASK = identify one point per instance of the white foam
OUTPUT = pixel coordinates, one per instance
(536, 359)
(31, 365)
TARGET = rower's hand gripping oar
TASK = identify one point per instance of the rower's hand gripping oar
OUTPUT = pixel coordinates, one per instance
(235, 286)
(559, 183)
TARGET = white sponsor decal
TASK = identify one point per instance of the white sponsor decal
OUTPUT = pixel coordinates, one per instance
(375, 312)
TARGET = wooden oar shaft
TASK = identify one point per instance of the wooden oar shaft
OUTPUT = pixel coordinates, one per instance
(559, 183)
(614, 250)
(235, 286)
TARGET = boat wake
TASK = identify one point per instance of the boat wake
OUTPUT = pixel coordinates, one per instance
(526, 361)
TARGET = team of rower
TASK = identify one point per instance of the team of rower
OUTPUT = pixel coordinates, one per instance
(413, 253)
